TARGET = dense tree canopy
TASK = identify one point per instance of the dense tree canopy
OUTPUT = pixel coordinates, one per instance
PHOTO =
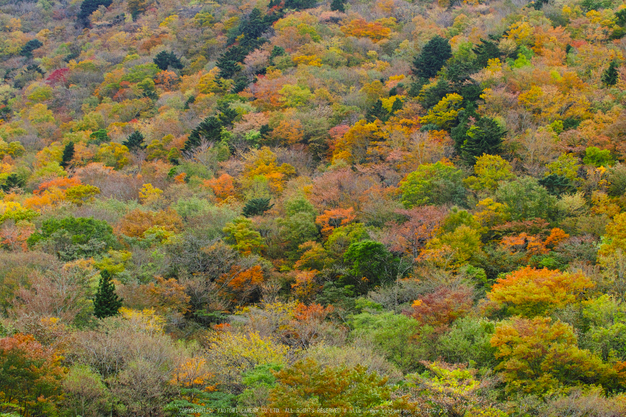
(343, 207)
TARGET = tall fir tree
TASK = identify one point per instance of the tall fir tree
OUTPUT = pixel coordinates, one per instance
(107, 303)
(487, 49)
(338, 6)
(30, 46)
(432, 58)
(483, 136)
(135, 141)
(610, 75)
(87, 7)
(377, 111)
(256, 207)
(68, 154)
(165, 59)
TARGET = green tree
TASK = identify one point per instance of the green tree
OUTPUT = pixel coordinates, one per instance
(432, 58)
(136, 7)
(434, 184)
(74, 237)
(396, 336)
(452, 390)
(610, 75)
(468, 340)
(241, 83)
(490, 171)
(165, 59)
(135, 141)
(300, 4)
(557, 185)
(526, 199)
(486, 50)
(99, 136)
(13, 181)
(483, 136)
(68, 154)
(228, 62)
(243, 237)
(338, 6)
(377, 111)
(31, 45)
(210, 129)
(107, 303)
(598, 157)
(256, 207)
(87, 7)
(372, 262)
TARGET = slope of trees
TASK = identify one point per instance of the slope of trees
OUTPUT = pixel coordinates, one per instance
(383, 207)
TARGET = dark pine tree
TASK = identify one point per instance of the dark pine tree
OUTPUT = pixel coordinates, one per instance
(165, 59)
(486, 50)
(254, 26)
(377, 111)
(265, 131)
(256, 207)
(30, 46)
(277, 51)
(241, 82)
(621, 17)
(435, 93)
(68, 154)
(484, 137)
(432, 58)
(107, 303)
(299, 4)
(87, 7)
(228, 67)
(557, 185)
(338, 6)
(13, 181)
(610, 75)
(135, 141)
(397, 106)
(210, 129)
(459, 73)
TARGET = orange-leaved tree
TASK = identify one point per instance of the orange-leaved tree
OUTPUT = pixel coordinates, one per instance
(532, 292)
(334, 218)
(30, 376)
(443, 306)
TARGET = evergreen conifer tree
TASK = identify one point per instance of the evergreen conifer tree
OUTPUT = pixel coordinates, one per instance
(135, 141)
(107, 303)
(68, 154)
(610, 75)
(210, 129)
(338, 6)
(30, 46)
(483, 137)
(432, 58)
(487, 49)
(241, 82)
(256, 207)
(377, 111)
(165, 59)
(87, 7)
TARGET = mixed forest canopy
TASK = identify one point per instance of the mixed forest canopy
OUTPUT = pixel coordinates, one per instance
(236, 207)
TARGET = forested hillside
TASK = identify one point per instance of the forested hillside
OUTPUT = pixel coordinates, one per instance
(302, 208)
